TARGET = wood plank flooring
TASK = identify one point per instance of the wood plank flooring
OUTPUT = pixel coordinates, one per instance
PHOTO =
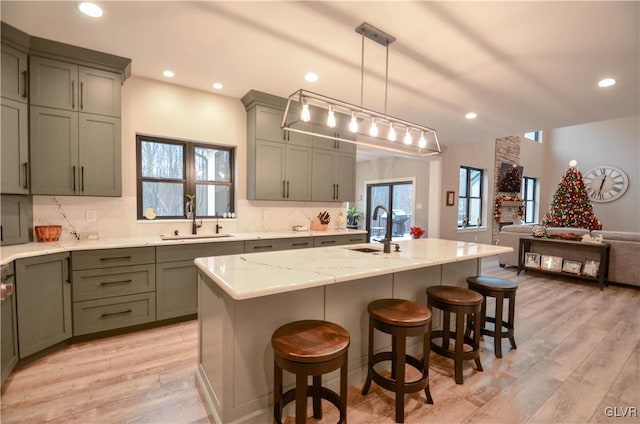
(578, 354)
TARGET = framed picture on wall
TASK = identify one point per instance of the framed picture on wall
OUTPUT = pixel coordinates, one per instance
(451, 198)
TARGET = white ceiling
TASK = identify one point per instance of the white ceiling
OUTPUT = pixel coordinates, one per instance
(521, 66)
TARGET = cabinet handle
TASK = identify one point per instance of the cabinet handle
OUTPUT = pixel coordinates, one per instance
(300, 244)
(265, 246)
(112, 314)
(337, 191)
(327, 242)
(67, 277)
(117, 258)
(74, 178)
(81, 95)
(26, 175)
(82, 178)
(106, 283)
(283, 188)
(1, 233)
(73, 94)
(287, 189)
(334, 192)
(26, 80)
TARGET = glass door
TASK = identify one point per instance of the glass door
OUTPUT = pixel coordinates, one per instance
(396, 197)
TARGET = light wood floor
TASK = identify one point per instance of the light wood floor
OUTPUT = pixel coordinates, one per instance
(578, 353)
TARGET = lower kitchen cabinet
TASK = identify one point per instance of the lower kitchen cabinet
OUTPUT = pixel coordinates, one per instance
(325, 241)
(43, 295)
(270, 245)
(8, 322)
(93, 316)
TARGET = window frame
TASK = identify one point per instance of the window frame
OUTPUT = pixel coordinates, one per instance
(468, 196)
(526, 200)
(537, 136)
(189, 181)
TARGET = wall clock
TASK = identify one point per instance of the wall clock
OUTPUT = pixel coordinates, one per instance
(605, 183)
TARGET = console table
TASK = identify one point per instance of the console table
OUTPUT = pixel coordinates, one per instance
(572, 247)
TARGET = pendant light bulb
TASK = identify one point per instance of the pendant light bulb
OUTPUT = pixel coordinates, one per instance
(306, 114)
(392, 133)
(331, 118)
(353, 125)
(373, 130)
(422, 143)
(407, 138)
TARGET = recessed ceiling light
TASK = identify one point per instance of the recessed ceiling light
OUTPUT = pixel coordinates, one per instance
(311, 77)
(217, 86)
(607, 82)
(471, 115)
(90, 9)
(168, 73)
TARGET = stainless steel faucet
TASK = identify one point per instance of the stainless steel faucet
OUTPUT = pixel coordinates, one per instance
(194, 225)
(387, 237)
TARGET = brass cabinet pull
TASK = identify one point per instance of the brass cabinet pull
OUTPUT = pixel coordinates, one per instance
(107, 283)
(128, 311)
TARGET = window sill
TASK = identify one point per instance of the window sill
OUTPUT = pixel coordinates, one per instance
(472, 229)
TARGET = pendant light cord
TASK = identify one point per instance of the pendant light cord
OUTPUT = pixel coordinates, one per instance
(386, 80)
(362, 72)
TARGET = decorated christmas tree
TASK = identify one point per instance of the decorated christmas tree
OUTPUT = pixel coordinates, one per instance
(571, 206)
(511, 181)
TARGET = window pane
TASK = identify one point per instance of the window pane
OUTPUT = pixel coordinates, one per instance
(463, 182)
(165, 198)
(476, 182)
(531, 184)
(475, 207)
(462, 212)
(162, 160)
(529, 212)
(212, 165)
(212, 200)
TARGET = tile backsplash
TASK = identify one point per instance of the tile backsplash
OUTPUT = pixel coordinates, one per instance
(116, 217)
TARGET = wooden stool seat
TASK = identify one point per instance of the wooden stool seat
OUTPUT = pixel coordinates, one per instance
(463, 303)
(310, 348)
(401, 319)
(500, 289)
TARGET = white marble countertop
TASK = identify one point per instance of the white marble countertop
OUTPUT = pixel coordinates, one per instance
(19, 251)
(251, 275)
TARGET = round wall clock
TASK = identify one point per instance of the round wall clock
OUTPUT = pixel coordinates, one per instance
(605, 183)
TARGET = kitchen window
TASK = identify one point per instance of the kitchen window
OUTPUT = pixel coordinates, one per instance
(168, 170)
(534, 136)
(529, 199)
(470, 199)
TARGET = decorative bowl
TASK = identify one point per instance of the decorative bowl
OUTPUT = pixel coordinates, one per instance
(48, 232)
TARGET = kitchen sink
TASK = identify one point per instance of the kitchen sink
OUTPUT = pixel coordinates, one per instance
(192, 236)
(364, 249)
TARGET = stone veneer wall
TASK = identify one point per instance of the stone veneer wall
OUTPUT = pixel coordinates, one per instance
(508, 151)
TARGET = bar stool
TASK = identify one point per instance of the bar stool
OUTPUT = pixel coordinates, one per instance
(401, 319)
(500, 289)
(309, 348)
(462, 302)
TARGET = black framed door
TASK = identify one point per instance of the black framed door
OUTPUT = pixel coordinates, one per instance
(396, 197)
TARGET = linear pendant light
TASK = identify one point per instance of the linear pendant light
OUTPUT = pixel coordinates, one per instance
(312, 113)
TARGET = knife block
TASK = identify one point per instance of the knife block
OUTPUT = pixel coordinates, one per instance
(316, 225)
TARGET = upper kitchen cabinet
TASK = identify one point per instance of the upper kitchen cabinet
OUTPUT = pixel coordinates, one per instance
(14, 74)
(15, 146)
(333, 176)
(341, 130)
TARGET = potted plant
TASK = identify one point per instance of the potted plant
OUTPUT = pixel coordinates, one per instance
(353, 215)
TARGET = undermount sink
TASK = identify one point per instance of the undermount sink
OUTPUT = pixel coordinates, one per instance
(364, 249)
(192, 236)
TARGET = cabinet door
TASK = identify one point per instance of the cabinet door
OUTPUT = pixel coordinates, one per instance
(53, 83)
(176, 289)
(54, 151)
(14, 74)
(323, 187)
(9, 328)
(43, 294)
(298, 173)
(15, 147)
(270, 165)
(324, 143)
(99, 91)
(17, 219)
(99, 152)
(344, 166)
(268, 123)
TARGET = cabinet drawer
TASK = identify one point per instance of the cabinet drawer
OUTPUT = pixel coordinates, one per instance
(116, 312)
(324, 241)
(100, 283)
(106, 258)
(192, 251)
(251, 246)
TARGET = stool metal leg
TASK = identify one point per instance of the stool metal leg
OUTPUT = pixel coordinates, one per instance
(497, 337)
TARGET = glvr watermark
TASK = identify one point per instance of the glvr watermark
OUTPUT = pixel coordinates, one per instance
(621, 411)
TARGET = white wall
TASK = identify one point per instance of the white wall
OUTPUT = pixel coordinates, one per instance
(614, 142)
(156, 108)
(532, 161)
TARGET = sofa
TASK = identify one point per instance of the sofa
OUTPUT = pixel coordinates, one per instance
(624, 254)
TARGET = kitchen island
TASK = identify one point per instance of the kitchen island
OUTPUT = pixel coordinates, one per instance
(243, 298)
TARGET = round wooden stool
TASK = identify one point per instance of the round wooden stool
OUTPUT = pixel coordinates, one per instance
(499, 289)
(401, 319)
(309, 348)
(462, 302)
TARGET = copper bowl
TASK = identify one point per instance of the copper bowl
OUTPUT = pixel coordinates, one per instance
(48, 232)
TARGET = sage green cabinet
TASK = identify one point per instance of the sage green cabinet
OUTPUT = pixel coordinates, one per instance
(268, 123)
(282, 171)
(333, 176)
(111, 313)
(341, 130)
(74, 154)
(8, 323)
(43, 295)
(17, 219)
(15, 146)
(270, 245)
(177, 275)
(14, 74)
(325, 241)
